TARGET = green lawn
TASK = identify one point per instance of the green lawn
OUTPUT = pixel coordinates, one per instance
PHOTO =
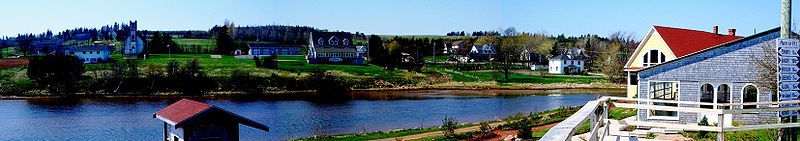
(214, 67)
(8, 50)
(522, 78)
(439, 58)
(227, 64)
(292, 57)
(196, 45)
(621, 113)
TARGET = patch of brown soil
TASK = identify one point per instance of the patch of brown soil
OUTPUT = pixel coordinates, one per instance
(8, 63)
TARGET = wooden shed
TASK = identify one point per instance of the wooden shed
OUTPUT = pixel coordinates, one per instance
(188, 120)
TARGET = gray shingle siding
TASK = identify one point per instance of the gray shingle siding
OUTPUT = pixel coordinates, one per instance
(730, 64)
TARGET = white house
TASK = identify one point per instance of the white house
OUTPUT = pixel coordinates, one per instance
(566, 64)
(91, 54)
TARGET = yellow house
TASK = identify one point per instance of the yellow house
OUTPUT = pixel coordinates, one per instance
(662, 44)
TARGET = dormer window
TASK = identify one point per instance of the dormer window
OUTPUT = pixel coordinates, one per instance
(654, 57)
(320, 41)
(333, 41)
(346, 42)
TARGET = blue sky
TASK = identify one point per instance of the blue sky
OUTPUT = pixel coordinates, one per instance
(399, 17)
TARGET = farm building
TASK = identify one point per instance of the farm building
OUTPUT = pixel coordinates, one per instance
(687, 70)
(91, 54)
(259, 49)
(332, 48)
(188, 120)
(44, 47)
(662, 44)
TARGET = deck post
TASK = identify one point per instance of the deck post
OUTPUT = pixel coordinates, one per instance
(592, 125)
(165, 132)
(604, 119)
(721, 123)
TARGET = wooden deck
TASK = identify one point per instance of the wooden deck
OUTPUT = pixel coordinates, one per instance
(596, 113)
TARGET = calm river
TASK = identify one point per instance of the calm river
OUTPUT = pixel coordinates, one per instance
(114, 119)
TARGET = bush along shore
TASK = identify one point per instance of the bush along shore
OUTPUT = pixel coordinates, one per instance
(198, 75)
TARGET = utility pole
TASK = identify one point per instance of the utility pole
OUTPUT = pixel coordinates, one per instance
(786, 43)
(786, 18)
(434, 53)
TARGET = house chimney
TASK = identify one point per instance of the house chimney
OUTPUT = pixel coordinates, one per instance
(716, 29)
(786, 18)
(732, 32)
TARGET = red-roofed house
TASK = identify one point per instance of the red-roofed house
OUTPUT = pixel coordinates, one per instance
(662, 44)
(188, 120)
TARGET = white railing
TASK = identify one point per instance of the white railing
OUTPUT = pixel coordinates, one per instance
(597, 112)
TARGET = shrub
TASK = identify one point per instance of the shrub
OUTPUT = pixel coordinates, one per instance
(271, 61)
(449, 125)
(258, 61)
(703, 122)
(244, 82)
(56, 73)
(651, 136)
(329, 84)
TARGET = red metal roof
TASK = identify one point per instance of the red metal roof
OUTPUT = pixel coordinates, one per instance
(685, 41)
(182, 110)
(185, 110)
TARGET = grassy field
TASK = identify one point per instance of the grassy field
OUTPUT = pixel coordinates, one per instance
(439, 58)
(196, 45)
(291, 66)
(482, 76)
(213, 67)
(8, 50)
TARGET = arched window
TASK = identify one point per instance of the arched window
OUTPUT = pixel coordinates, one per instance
(723, 95)
(653, 57)
(749, 94)
(320, 41)
(707, 95)
(346, 42)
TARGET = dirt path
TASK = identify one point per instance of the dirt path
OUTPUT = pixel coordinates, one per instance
(439, 133)
(500, 133)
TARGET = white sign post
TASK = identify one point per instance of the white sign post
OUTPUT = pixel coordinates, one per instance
(788, 78)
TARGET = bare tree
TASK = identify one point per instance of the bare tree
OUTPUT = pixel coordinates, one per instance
(767, 69)
(231, 28)
(542, 45)
(509, 52)
(615, 54)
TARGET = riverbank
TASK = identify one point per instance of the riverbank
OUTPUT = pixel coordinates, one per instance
(466, 130)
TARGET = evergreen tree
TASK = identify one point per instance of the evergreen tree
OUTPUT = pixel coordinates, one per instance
(155, 43)
(224, 41)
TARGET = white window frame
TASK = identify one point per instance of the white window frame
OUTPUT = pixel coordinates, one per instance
(742, 95)
(713, 94)
(730, 95)
(173, 135)
(647, 57)
(677, 98)
(345, 42)
(320, 41)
